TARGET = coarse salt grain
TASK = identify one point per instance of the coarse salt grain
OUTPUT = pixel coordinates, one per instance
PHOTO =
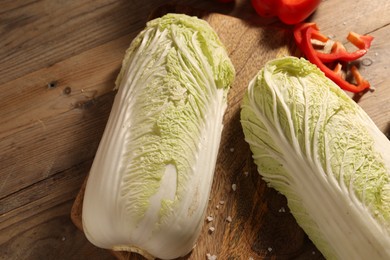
(221, 202)
(229, 219)
(209, 218)
(211, 229)
(211, 257)
(234, 187)
(269, 249)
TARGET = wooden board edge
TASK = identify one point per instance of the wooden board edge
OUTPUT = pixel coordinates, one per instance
(77, 207)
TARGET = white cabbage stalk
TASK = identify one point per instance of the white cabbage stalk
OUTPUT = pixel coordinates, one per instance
(149, 184)
(315, 145)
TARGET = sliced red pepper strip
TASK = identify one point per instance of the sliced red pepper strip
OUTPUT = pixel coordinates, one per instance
(298, 29)
(338, 52)
(358, 77)
(311, 55)
(360, 41)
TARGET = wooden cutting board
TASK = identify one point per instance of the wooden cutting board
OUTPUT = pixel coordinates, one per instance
(250, 219)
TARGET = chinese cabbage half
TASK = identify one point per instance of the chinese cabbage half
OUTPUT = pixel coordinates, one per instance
(315, 145)
(149, 184)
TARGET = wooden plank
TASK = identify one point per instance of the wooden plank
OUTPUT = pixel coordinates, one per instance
(51, 146)
(48, 234)
(60, 88)
(337, 18)
(51, 31)
(40, 196)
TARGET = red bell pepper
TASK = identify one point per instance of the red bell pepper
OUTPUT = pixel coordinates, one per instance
(288, 11)
(335, 75)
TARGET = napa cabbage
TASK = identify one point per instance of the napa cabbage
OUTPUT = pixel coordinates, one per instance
(314, 144)
(149, 183)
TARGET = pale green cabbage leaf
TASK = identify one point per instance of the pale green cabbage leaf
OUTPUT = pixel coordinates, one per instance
(149, 184)
(314, 144)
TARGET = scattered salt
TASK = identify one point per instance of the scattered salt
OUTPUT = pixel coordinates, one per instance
(229, 219)
(211, 257)
(211, 229)
(209, 218)
(232, 149)
(282, 209)
(221, 202)
(269, 249)
(234, 187)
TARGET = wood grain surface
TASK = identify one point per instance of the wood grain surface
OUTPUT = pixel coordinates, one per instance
(58, 62)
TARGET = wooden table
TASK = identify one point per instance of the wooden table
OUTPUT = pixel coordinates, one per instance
(58, 62)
